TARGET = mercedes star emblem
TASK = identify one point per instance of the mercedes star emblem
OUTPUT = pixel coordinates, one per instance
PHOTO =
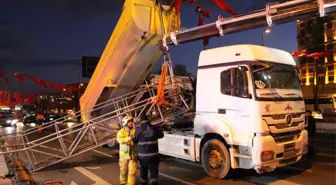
(288, 119)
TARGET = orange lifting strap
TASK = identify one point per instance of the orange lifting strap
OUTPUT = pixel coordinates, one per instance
(159, 98)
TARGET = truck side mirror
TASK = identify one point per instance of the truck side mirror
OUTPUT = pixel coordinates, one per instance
(245, 81)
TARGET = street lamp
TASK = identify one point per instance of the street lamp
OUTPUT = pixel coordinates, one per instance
(267, 30)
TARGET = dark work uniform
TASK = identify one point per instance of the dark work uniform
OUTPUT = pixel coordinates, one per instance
(311, 126)
(311, 133)
(147, 136)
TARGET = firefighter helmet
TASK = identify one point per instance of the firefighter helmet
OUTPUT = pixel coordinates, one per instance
(125, 120)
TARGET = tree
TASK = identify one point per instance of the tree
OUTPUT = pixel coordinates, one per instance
(180, 70)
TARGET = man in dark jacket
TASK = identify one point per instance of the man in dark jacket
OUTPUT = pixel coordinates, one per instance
(311, 124)
(147, 136)
(310, 120)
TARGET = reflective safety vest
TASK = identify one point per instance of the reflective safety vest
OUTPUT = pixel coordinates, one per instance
(39, 116)
(147, 136)
(127, 148)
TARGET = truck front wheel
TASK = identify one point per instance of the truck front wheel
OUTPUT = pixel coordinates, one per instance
(216, 159)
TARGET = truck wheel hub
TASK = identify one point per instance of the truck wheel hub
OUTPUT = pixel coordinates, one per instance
(215, 159)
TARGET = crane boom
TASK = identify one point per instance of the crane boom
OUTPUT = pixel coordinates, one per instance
(274, 13)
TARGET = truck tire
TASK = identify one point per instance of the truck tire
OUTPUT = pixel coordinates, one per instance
(216, 159)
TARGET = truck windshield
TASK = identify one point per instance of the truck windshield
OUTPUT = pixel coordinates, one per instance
(275, 76)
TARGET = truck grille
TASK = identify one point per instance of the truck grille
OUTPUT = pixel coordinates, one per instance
(283, 116)
(285, 137)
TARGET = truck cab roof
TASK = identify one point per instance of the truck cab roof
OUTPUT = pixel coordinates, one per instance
(243, 53)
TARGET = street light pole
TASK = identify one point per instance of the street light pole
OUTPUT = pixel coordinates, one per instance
(316, 98)
(267, 30)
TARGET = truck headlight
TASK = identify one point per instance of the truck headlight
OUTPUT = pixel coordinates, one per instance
(267, 156)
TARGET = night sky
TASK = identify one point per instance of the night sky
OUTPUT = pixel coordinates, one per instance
(46, 38)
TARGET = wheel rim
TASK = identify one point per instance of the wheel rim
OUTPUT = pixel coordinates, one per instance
(215, 159)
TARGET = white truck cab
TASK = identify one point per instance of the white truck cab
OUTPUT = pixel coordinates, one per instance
(249, 112)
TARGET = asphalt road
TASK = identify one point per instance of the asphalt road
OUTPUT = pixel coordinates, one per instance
(100, 167)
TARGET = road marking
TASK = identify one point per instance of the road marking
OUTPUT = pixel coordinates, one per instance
(176, 179)
(73, 183)
(92, 176)
(281, 182)
(93, 168)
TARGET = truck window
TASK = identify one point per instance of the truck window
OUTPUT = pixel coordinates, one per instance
(234, 82)
(226, 82)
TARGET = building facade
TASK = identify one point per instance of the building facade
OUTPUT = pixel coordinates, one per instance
(317, 34)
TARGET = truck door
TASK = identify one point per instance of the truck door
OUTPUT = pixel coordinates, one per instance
(237, 106)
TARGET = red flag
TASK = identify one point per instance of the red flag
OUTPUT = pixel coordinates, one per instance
(203, 12)
(75, 88)
(5, 94)
(205, 41)
(31, 98)
(52, 84)
(39, 82)
(319, 55)
(225, 7)
(2, 74)
(8, 101)
(299, 54)
(55, 86)
(1, 93)
(60, 88)
(200, 23)
(25, 98)
(177, 5)
(296, 53)
(19, 76)
(38, 98)
(17, 98)
(200, 20)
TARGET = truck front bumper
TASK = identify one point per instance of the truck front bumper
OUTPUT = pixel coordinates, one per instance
(284, 152)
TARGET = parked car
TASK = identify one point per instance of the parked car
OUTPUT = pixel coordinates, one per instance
(29, 118)
(51, 117)
(6, 117)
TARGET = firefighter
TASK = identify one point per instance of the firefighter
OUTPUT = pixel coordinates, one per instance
(128, 153)
(39, 118)
(147, 136)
